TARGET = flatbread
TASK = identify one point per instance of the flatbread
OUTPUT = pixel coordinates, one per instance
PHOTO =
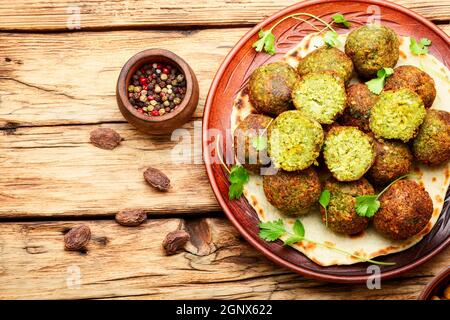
(369, 244)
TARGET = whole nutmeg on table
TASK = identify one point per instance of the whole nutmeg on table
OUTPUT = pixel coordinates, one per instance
(157, 179)
(175, 241)
(131, 217)
(105, 138)
(77, 238)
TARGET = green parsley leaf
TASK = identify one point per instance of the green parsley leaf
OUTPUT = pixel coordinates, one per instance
(292, 239)
(266, 41)
(271, 230)
(299, 229)
(419, 48)
(331, 39)
(324, 200)
(238, 178)
(367, 206)
(339, 18)
(259, 143)
(299, 233)
(376, 85)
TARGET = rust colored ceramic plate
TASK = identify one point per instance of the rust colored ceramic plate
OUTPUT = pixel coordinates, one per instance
(234, 72)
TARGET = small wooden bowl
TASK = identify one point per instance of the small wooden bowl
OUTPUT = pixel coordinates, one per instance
(168, 122)
(436, 286)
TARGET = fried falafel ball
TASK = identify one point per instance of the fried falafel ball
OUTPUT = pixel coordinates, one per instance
(360, 101)
(371, 48)
(393, 159)
(320, 96)
(341, 213)
(293, 192)
(397, 114)
(252, 127)
(270, 87)
(405, 210)
(294, 141)
(327, 58)
(432, 144)
(348, 152)
(415, 79)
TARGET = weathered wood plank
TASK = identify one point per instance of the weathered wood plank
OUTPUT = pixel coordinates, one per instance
(55, 171)
(59, 14)
(48, 79)
(129, 263)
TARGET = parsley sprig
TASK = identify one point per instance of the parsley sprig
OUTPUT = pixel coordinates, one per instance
(274, 230)
(368, 205)
(331, 39)
(238, 176)
(324, 201)
(419, 48)
(340, 19)
(376, 85)
(266, 39)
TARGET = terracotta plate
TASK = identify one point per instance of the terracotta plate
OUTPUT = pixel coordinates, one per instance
(233, 74)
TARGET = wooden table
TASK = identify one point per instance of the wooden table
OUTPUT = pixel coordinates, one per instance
(56, 85)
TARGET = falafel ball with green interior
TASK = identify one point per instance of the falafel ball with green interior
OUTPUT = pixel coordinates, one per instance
(320, 96)
(432, 144)
(293, 192)
(360, 101)
(397, 114)
(254, 126)
(393, 159)
(371, 48)
(327, 58)
(270, 87)
(415, 79)
(341, 215)
(348, 152)
(294, 141)
(405, 209)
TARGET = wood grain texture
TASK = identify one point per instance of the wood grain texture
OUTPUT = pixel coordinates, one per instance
(55, 171)
(48, 79)
(96, 14)
(123, 262)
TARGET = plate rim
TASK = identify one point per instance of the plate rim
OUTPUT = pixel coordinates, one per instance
(205, 121)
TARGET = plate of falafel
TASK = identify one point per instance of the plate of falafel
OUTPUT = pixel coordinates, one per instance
(326, 139)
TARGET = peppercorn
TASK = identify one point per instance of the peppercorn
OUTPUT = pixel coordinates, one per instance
(156, 89)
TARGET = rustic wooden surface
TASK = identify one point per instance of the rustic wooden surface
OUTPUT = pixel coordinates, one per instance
(56, 85)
